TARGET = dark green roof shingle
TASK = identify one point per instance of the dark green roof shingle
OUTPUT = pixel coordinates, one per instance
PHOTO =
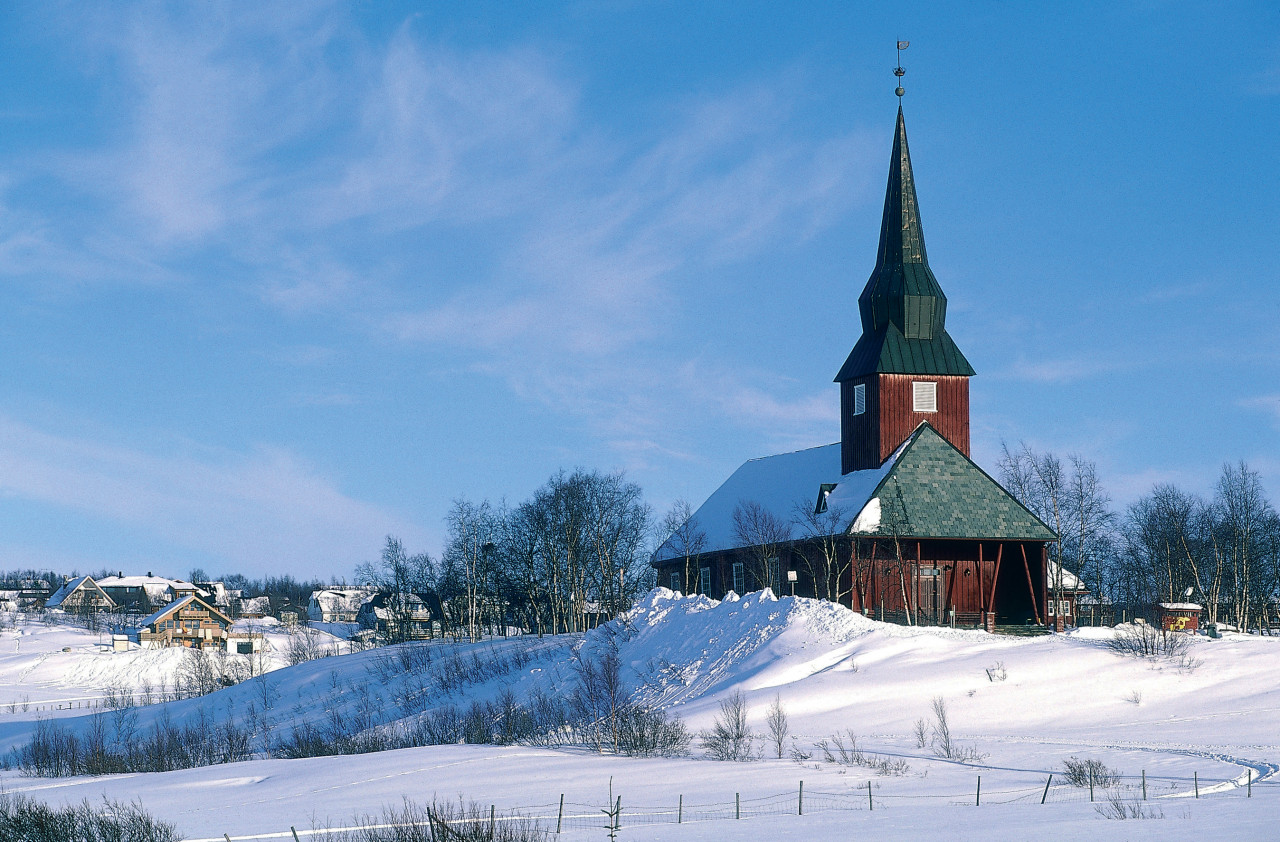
(935, 491)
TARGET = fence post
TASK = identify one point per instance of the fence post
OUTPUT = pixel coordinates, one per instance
(1144, 784)
(491, 821)
(977, 802)
(560, 815)
(1046, 788)
(737, 805)
(1090, 786)
(801, 803)
(1250, 795)
(1196, 778)
(871, 805)
(617, 814)
(294, 831)
(680, 810)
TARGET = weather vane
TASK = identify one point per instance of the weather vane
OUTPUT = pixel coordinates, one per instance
(898, 71)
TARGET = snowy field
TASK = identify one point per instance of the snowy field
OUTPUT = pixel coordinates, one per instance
(1209, 721)
(54, 669)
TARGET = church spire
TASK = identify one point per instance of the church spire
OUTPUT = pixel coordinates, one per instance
(902, 288)
(902, 307)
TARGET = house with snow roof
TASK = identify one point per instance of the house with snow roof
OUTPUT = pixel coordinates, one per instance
(80, 595)
(189, 622)
(144, 593)
(337, 605)
(894, 520)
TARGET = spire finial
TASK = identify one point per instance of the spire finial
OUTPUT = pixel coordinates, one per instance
(898, 71)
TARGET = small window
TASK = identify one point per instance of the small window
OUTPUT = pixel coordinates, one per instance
(860, 399)
(772, 573)
(924, 396)
(675, 582)
(704, 580)
(739, 578)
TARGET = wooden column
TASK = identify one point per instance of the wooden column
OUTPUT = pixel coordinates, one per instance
(982, 589)
(996, 577)
(1030, 587)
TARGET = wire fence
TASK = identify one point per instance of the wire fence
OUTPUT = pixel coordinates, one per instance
(567, 817)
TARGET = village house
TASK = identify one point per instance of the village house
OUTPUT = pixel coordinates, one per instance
(410, 616)
(145, 593)
(337, 605)
(80, 596)
(895, 520)
(189, 622)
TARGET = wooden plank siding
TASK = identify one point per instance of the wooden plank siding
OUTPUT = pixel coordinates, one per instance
(971, 576)
(871, 437)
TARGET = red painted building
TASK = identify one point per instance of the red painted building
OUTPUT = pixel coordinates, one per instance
(896, 520)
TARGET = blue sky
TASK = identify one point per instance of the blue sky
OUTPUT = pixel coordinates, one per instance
(278, 280)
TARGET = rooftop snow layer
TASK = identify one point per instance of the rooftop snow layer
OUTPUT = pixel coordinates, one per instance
(780, 484)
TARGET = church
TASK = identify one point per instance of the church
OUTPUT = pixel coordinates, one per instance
(895, 520)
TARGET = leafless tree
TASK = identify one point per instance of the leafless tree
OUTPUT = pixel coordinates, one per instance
(761, 534)
(827, 554)
(685, 540)
(398, 574)
(779, 727)
(474, 533)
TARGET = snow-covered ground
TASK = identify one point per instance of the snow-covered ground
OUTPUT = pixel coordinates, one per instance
(56, 669)
(1024, 704)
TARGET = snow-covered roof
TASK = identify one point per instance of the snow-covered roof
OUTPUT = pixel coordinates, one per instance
(179, 604)
(779, 484)
(1070, 582)
(1181, 606)
(61, 594)
(341, 599)
(155, 586)
(255, 605)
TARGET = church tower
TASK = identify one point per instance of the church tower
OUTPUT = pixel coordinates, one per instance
(905, 368)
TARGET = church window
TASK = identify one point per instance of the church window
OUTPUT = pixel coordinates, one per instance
(739, 578)
(924, 396)
(860, 399)
(704, 580)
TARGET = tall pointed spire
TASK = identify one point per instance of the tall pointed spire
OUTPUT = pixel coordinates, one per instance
(905, 368)
(903, 309)
(902, 276)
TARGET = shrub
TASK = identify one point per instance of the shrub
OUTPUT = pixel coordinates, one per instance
(834, 750)
(1142, 640)
(944, 745)
(24, 819)
(441, 821)
(779, 727)
(1117, 807)
(730, 737)
(1083, 772)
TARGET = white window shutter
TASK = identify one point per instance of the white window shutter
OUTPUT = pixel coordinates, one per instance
(924, 396)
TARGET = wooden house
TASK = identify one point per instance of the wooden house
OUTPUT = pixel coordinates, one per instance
(895, 520)
(189, 622)
(80, 596)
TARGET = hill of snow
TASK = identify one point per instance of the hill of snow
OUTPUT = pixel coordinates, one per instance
(1210, 718)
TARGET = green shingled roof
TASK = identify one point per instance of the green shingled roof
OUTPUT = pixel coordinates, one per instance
(889, 352)
(935, 491)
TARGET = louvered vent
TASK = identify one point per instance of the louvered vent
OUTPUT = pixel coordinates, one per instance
(860, 399)
(924, 396)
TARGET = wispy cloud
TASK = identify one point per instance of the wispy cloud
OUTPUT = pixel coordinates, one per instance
(261, 510)
(1268, 404)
